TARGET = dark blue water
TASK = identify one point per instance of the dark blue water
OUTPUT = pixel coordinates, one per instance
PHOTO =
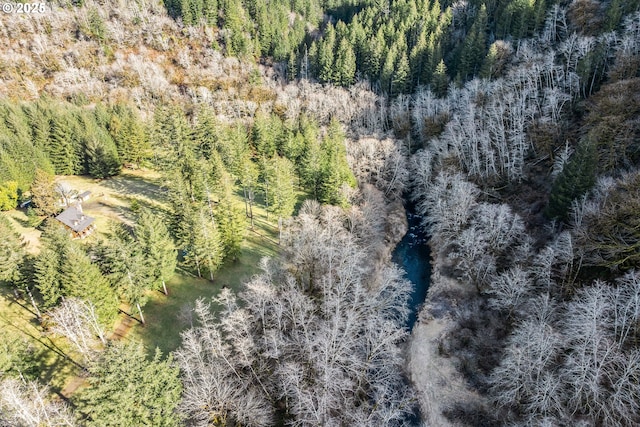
(413, 255)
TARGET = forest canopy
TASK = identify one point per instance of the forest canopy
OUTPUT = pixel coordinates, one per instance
(221, 131)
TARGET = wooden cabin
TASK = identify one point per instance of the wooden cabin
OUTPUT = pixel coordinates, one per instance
(78, 224)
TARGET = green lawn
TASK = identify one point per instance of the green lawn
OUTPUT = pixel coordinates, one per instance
(167, 316)
(30, 236)
(111, 198)
(19, 328)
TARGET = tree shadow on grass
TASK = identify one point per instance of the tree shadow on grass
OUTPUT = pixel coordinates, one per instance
(24, 222)
(135, 186)
(44, 358)
(134, 204)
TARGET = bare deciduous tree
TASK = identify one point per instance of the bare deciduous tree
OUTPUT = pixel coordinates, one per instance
(510, 289)
(315, 335)
(446, 205)
(381, 162)
(29, 404)
(526, 368)
(216, 388)
(576, 361)
(66, 192)
(77, 321)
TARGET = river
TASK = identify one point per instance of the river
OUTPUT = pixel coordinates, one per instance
(413, 255)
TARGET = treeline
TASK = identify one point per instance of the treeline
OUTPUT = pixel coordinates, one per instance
(200, 146)
(404, 44)
(123, 267)
(64, 139)
(259, 359)
(272, 162)
(398, 45)
(521, 183)
(255, 27)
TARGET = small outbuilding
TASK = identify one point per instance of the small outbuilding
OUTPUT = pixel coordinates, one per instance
(74, 220)
(84, 196)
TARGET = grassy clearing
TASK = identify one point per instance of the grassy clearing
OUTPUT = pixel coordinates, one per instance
(167, 316)
(111, 198)
(30, 235)
(50, 354)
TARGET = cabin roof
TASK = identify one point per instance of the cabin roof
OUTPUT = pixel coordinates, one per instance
(75, 219)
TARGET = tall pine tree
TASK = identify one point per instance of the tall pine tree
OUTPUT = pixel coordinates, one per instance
(11, 251)
(127, 388)
(577, 177)
(157, 248)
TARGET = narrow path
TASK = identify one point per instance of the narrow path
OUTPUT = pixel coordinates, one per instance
(72, 386)
(438, 382)
(123, 326)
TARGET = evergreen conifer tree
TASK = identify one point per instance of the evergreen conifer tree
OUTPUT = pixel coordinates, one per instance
(326, 56)
(231, 223)
(157, 248)
(440, 80)
(282, 193)
(311, 164)
(81, 278)
(47, 267)
(127, 388)
(205, 134)
(292, 66)
(39, 122)
(577, 177)
(401, 77)
(43, 194)
(8, 195)
(265, 134)
(474, 46)
(101, 156)
(374, 51)
(345, 65)
(249, 180)
(334, 167)
(128, 269)
(60, 148)
(207, 243)
(11, 251)
(388, 69)
(47, 277)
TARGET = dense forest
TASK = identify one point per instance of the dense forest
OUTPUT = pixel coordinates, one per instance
(521, 187)
(509, 127)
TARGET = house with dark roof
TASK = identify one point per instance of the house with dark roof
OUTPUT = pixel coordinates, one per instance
(74, 220)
